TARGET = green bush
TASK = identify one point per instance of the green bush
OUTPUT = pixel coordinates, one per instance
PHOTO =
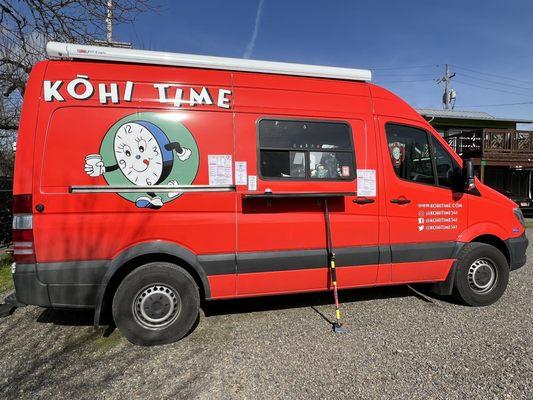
(6, 280)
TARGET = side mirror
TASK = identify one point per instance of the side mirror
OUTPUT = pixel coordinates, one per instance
(468, 175)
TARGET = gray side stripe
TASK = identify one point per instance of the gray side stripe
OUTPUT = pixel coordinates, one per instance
(384, 254)
(218, 264)
(280, 260)
(423, 251)
(269, 261)
(92, 272)
(79, 272)
(364, 255)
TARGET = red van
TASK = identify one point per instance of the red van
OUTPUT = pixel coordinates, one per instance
(147, 182)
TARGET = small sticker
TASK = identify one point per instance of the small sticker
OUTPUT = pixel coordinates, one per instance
(345, 170)
(397, 153)
(240, 173)
(220, 172)
(252, 182)
(366, 182)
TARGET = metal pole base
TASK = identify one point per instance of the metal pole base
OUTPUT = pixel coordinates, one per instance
(6, 310)
(338, 328)
(10, 305)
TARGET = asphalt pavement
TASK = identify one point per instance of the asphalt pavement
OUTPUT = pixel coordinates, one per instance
(401, 345)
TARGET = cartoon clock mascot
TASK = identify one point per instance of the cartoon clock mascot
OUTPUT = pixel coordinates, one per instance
(145, 156)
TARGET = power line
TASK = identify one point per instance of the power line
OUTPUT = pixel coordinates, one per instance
(499, 105)
(495, 82)
(494, 89)
(494, 75)
(15, 41)
(405, 81)
(406, 67)
(394, 75)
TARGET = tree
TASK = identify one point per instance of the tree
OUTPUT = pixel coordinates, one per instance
(26, 26)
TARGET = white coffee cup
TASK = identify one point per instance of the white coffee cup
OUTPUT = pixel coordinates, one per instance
(93, 160)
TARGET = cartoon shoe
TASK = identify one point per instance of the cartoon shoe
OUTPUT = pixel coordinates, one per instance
(142, 202)
(156, 202)
(147, 202)
(173, 194)
(185, 154)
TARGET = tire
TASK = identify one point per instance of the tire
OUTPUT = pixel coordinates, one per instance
(481, 275)
(157, 303)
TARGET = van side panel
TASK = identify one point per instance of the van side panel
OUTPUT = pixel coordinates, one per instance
(79, 234)
(387, 103)
(100, 225)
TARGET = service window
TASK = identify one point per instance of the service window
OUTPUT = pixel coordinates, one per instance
(410, 153)
(305, 150)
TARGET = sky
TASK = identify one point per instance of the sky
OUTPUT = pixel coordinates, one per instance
(406, 43)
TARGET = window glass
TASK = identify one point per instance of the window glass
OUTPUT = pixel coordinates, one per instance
(305, 150)
(327, 165)
(283, 164)
(304, 135)
(409, 153)
(446, 165)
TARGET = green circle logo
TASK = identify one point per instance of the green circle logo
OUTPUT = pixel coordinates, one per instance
(146, 149)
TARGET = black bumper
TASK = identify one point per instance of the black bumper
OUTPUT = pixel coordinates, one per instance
(59, 289)
(517, 251)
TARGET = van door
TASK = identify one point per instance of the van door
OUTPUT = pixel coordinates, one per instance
(281, 241)
(425, 213)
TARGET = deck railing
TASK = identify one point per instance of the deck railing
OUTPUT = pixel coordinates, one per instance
(494, 144)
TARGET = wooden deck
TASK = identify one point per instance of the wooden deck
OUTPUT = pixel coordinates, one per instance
(503, 147)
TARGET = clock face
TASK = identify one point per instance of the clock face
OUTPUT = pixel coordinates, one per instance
(138, 154)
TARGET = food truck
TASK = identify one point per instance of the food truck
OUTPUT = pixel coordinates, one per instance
(148, 182)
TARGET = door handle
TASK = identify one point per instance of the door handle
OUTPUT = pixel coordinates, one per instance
(400, 201)
(363, 200)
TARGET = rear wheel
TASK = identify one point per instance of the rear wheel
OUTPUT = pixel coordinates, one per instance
(481, 275)
(157, 303)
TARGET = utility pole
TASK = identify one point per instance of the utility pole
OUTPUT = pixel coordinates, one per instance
(446, 79)
(109, 21)
(109, 30)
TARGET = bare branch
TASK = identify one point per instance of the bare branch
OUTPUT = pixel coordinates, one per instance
(25, 27)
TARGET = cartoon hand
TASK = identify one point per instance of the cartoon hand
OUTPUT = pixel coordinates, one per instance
(96, 169)
(185, 154)
(173, 194)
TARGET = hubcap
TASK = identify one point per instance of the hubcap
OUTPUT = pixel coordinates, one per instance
(482, 275)
(156, 306)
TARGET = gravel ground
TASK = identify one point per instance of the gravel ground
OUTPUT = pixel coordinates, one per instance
(401, 345)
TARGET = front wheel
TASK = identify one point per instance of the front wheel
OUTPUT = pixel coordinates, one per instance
(481, 276)
(158, 303)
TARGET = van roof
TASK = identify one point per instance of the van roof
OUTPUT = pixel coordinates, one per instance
(86, 52)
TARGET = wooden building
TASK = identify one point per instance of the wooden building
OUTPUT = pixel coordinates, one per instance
(502, 153)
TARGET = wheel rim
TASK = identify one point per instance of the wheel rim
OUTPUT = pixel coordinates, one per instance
(482, 275)
(156, 306)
